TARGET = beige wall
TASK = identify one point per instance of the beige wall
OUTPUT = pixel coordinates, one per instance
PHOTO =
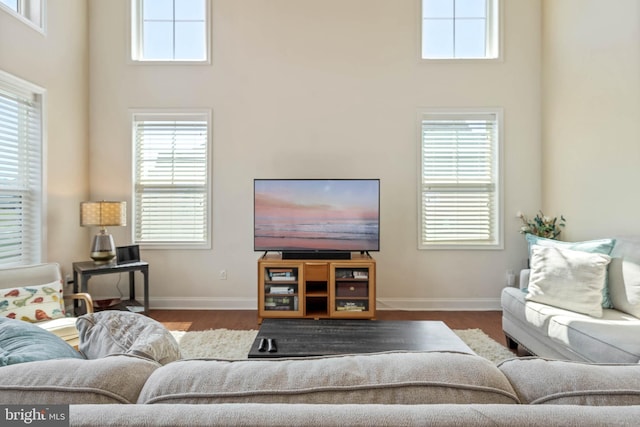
(58, 62)
(330, 88)
(591, 108)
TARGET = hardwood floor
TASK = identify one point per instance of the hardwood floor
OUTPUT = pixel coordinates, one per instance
(199, 320)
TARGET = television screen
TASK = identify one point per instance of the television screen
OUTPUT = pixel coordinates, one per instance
(315, 215)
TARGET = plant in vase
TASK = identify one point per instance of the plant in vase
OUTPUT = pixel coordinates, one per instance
(541, 225)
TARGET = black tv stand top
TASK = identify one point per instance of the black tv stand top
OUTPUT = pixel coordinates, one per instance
(316, 255)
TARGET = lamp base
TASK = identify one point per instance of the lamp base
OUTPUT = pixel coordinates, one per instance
(103, 250)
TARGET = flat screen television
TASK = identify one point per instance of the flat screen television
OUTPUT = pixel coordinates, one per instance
(316, 218)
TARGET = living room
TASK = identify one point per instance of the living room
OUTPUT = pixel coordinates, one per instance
(332, 89)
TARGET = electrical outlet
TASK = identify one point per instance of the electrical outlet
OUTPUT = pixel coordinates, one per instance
(223, 275)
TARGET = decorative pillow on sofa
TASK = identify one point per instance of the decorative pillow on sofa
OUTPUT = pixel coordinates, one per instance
(568, 279)
(121, 332)
(624, 275)
(33, 303)
(23, 342)
(601, 246)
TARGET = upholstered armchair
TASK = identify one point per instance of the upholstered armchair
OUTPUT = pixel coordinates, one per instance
(34, 294)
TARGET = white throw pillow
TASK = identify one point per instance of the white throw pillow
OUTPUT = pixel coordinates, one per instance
(624, 275)
(568, 279)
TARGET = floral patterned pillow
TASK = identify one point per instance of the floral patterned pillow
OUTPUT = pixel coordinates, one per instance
(33, 303)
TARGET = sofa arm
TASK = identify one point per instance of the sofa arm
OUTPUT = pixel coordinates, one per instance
(524, 278)
(83, 297)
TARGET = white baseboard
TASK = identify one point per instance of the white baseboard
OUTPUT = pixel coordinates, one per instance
(408, 304)
(439, 304)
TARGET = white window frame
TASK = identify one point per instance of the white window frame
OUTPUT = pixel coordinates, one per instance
(30, 12)
(172, 115)
(496, 240)
(30, 187)
(135, 35)
(493, 34)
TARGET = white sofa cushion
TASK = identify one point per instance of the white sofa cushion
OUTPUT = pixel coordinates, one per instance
(389, 378)
(624, 276)
(114, 379)
(573, 335)
(568, 279)
(310, 415)
(611, 338)
(540, 381)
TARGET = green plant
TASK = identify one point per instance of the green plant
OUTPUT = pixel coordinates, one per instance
(542, 226)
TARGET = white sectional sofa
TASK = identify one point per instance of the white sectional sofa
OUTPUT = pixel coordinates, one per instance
(553, 332)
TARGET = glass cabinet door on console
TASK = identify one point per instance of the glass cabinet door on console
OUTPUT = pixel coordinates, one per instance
(353, 290)
(316, 289)
(279, 290)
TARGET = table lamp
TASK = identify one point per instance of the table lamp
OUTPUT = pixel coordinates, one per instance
(103, 214)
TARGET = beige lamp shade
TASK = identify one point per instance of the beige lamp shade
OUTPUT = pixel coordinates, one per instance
(103, 214)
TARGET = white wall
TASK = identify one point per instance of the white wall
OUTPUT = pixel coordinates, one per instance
(319, 88)
(58, 62)
(591, 115)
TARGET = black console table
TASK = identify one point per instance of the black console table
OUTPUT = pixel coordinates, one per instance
(83, 271)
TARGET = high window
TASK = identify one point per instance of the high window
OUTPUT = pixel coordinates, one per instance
(460, 191)
(21, 199)
(170, 30)
(29, 11)
(171, 179)
(459, 29)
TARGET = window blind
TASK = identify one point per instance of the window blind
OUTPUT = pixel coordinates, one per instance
(459, 179)
(171, 181)
(20, 176)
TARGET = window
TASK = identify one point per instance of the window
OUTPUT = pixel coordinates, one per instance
(21, 199)
(171, 179)
(460, 200)
(29, 11)
(170, 30)
(460, 29)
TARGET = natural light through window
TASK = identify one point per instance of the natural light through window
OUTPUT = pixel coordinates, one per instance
(460, 29)
(170, 30)
(21, 147)
(460, 191)
(28, 11)
(11, 4)
(171, 179)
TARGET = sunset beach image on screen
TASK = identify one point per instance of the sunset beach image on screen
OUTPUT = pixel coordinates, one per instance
(316, 215)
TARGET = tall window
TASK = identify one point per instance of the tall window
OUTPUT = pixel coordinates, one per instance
(20, 172)
(460, 180)
(460, 29)
(170, 30)
(29, 11)
(171, 179)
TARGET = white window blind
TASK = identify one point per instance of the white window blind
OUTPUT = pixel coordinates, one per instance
(172, 188)
(20, 174)
(459, 180)
(460, 29)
